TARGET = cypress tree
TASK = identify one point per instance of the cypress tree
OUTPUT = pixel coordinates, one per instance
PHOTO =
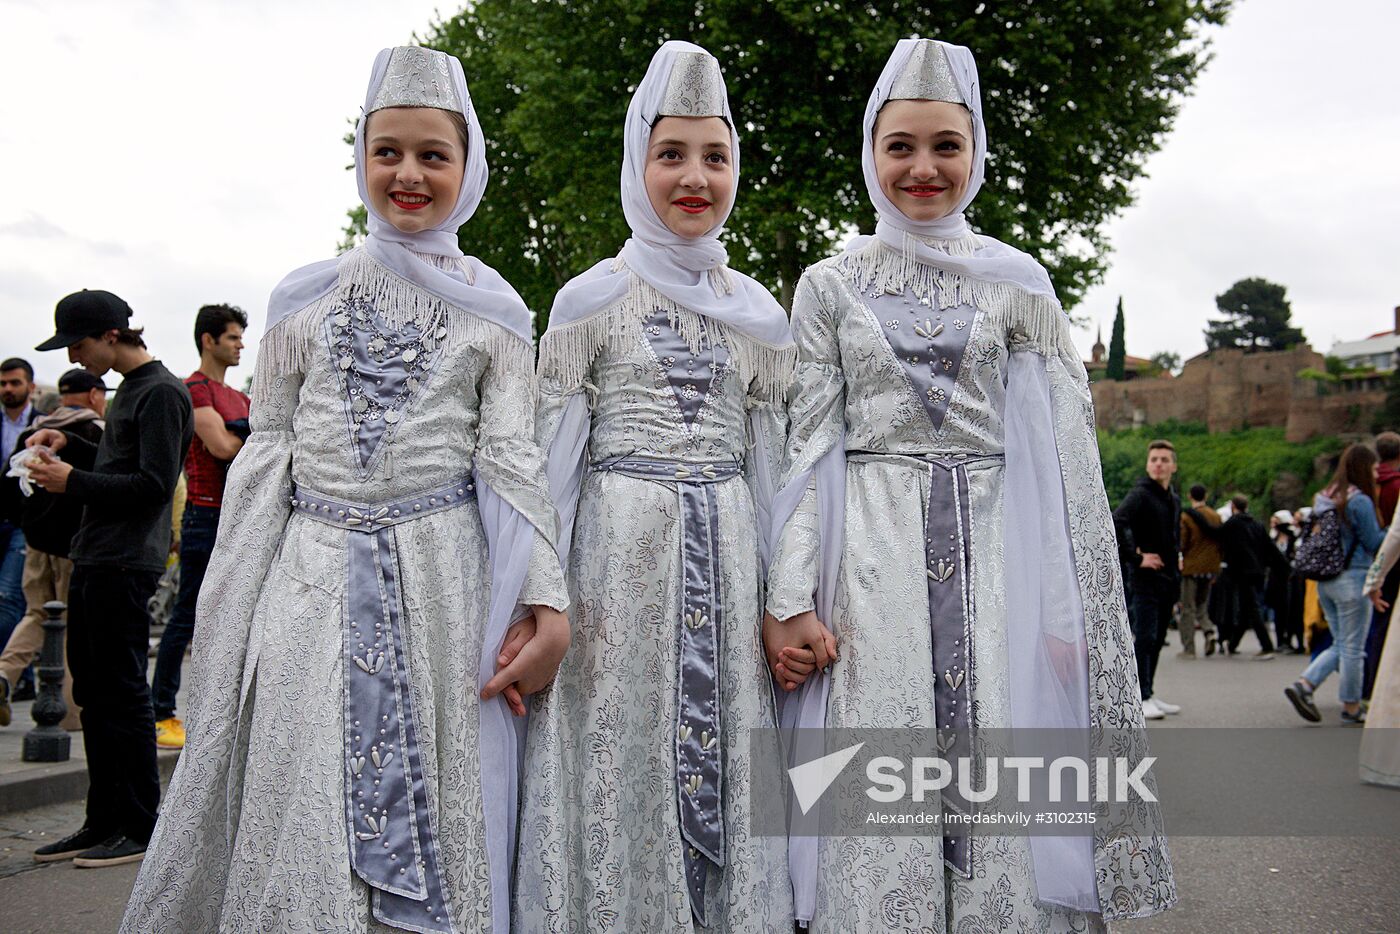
(1117, 356)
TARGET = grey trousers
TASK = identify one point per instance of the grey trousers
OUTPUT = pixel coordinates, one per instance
(1195, 596)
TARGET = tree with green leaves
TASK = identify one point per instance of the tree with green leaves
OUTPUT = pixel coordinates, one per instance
(1117, 348)
(1077, 96)
(1166, 361)
(1257, 315)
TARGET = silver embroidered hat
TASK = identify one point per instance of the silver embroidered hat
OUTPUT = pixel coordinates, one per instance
(695, 87)
(417, 77)
(927, 76)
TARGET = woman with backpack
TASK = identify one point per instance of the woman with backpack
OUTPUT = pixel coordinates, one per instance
(1351, 536)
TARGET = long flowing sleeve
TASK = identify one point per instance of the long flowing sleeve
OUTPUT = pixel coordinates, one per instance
(816, 420)
(510, 462)
(767, 428)
(562, 424)
(251, 526)
(1132, 864)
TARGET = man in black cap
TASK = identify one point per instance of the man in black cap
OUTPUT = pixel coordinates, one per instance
(49, 522)
(118, 556)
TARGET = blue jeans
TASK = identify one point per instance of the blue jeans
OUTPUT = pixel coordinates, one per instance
(197, 530)
(1348, 615)
(11, 580)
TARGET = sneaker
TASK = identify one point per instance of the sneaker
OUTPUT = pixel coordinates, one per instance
(114, 851)
(1263, 656)
(1165, 706)
(1186, 654)
(170, 733)
(1210, 644)
(4, 702)
(1353, 719)
(1150, 710)
(1301, 697)
(23, 691)
(70, 846)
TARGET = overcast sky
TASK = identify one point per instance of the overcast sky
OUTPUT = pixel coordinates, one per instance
(179, 153)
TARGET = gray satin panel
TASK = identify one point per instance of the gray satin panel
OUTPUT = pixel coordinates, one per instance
(699, 776)
(387, 812)
(690, 374)
(946, 533)
(929, 345)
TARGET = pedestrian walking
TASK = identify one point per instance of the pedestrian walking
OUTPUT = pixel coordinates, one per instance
(118, 555)
(1248, 555)
(220, 428)
(1148, 527)
(1200, 564)
(1352, 497)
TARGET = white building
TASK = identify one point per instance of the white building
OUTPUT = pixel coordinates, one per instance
(1377, 351)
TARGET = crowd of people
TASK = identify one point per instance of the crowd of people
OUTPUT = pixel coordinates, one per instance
(1224, 575)
(420, 528)
(92, 520)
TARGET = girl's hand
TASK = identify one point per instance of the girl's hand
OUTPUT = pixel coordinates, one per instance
(1377, 602)
(796, 647)
(530, 657)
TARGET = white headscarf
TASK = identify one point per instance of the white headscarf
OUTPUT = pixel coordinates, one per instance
(992, 260)
(690, 271)
(473, 286)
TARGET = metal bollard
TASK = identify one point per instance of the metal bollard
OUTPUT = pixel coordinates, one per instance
(49, 742)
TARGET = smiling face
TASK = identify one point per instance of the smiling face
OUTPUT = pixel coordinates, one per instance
(923, 156)
(690, 173)
(414, 162)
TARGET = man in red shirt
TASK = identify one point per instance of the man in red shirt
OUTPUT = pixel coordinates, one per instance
(220, 427)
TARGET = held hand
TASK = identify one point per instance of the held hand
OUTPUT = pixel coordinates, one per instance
(517, 636)
(50, 474)
(1152, 562)
(796, 647)
(51, 438)
(536, 660)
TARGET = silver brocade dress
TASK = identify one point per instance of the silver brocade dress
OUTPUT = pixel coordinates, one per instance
(253, 830)
(943, 398)
(601, 846)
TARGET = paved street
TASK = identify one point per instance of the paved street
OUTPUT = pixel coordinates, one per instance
(1239, 885)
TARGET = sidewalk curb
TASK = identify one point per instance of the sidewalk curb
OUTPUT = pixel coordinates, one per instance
(61, 782)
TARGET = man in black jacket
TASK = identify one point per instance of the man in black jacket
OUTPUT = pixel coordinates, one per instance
(49, 522)
(118, 556)
(1148, 523)
(1248, 555)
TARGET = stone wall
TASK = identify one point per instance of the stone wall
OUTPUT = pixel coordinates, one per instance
(1229, 389)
